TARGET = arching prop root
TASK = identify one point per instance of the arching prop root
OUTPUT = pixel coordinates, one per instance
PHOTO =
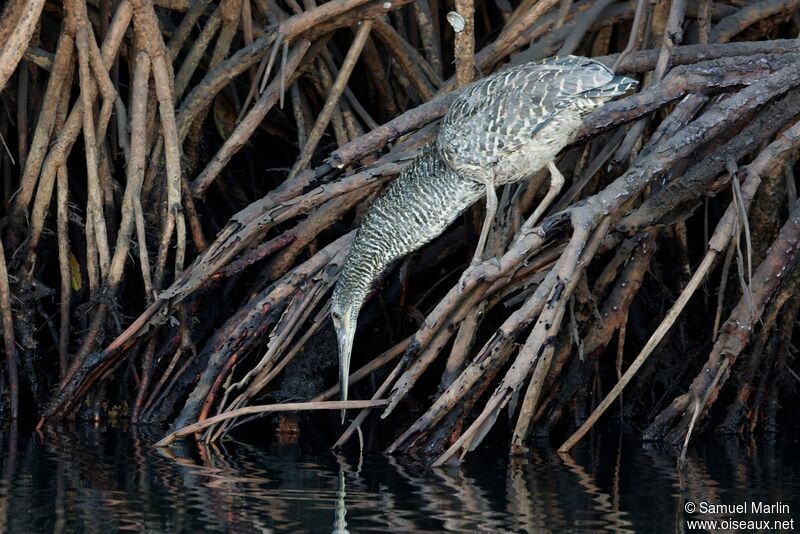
(185, 136)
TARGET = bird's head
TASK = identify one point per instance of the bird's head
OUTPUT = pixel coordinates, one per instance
(359, 272)
(344, 312)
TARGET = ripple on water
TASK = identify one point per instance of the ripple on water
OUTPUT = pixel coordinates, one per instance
(108, 480)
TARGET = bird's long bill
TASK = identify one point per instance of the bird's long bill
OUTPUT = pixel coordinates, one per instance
(345, 337)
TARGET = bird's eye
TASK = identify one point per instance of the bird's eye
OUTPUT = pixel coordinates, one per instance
(336, 316)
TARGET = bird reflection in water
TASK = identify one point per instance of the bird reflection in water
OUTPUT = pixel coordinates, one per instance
(105, 480)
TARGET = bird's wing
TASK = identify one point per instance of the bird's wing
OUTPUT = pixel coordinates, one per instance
(498, 115)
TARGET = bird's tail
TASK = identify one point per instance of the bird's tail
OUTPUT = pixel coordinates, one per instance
(618, 85)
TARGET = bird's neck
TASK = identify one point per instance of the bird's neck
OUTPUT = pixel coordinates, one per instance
(414, 209)
(356, 280)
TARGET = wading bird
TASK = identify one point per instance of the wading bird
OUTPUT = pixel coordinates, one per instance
(499, 130)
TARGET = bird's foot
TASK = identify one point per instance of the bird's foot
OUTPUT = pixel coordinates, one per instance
(462, 285)
(527, 228)
(493, 262)
(491, 268)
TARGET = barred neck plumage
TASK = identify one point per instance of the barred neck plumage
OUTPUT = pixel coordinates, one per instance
(413, 210)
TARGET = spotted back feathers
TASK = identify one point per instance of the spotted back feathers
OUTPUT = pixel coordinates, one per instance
(496, 117)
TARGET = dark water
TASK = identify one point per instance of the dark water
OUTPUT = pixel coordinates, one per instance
(105, 480)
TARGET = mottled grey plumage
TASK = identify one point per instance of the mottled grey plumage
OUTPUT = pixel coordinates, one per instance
(511, 124)
(500, 129)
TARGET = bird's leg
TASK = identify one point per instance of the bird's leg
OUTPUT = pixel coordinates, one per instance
(491, 211)
(556, 183)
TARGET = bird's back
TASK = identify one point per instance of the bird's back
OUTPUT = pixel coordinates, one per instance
(519, 118)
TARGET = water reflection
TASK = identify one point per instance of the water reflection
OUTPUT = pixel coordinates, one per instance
(102, 480)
